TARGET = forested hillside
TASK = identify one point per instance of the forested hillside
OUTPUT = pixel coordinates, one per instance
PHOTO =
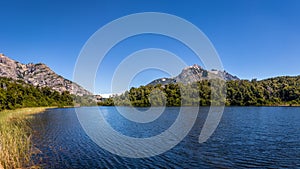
(273, 91)
(18, 94)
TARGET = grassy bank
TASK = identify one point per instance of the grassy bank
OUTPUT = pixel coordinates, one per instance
(15, 137)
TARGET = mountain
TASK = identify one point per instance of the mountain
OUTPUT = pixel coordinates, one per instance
(38, 75)
(193, 74)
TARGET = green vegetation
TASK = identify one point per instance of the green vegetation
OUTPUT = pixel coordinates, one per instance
(16, 147)
(15, 138)
(15, 133)
(84, 100)
(17, 94)
(270, 92)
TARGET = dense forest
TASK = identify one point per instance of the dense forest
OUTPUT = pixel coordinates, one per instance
(270, 92)
(17, 94)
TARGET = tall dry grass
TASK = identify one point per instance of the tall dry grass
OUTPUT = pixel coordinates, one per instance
(15, 138)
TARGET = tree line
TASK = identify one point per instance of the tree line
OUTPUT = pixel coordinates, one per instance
(270, 92)
(17, 94)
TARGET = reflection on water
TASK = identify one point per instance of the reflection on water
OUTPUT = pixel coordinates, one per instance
(129, 144)
(263, 137)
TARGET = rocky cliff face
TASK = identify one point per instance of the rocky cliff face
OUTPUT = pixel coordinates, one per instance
(193, 74)
(38, 75)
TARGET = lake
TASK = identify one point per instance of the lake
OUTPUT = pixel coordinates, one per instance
(247, 137)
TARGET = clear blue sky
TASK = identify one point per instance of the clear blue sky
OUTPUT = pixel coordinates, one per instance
(254, 38)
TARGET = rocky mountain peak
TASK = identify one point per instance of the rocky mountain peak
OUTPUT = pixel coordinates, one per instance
(38, 75)
(194, 73)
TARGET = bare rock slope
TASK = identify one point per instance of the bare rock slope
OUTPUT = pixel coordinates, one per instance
(38, 75)
(193, 74)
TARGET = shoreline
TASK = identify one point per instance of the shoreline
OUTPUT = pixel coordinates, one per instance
(15, 137)
(200, 106)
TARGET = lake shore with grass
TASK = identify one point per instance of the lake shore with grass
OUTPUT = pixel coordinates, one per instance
(15, 137)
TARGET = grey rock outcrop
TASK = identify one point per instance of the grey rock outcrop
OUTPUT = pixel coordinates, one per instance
(38, 75)
(193, 74)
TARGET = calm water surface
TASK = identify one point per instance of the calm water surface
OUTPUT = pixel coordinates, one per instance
(247, 137)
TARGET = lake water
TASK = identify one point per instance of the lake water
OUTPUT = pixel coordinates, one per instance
(260, 137)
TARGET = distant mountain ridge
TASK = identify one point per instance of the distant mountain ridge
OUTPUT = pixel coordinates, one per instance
(38, 75)
(194, 73)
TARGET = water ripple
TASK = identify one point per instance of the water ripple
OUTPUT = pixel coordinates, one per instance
(247, 137)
